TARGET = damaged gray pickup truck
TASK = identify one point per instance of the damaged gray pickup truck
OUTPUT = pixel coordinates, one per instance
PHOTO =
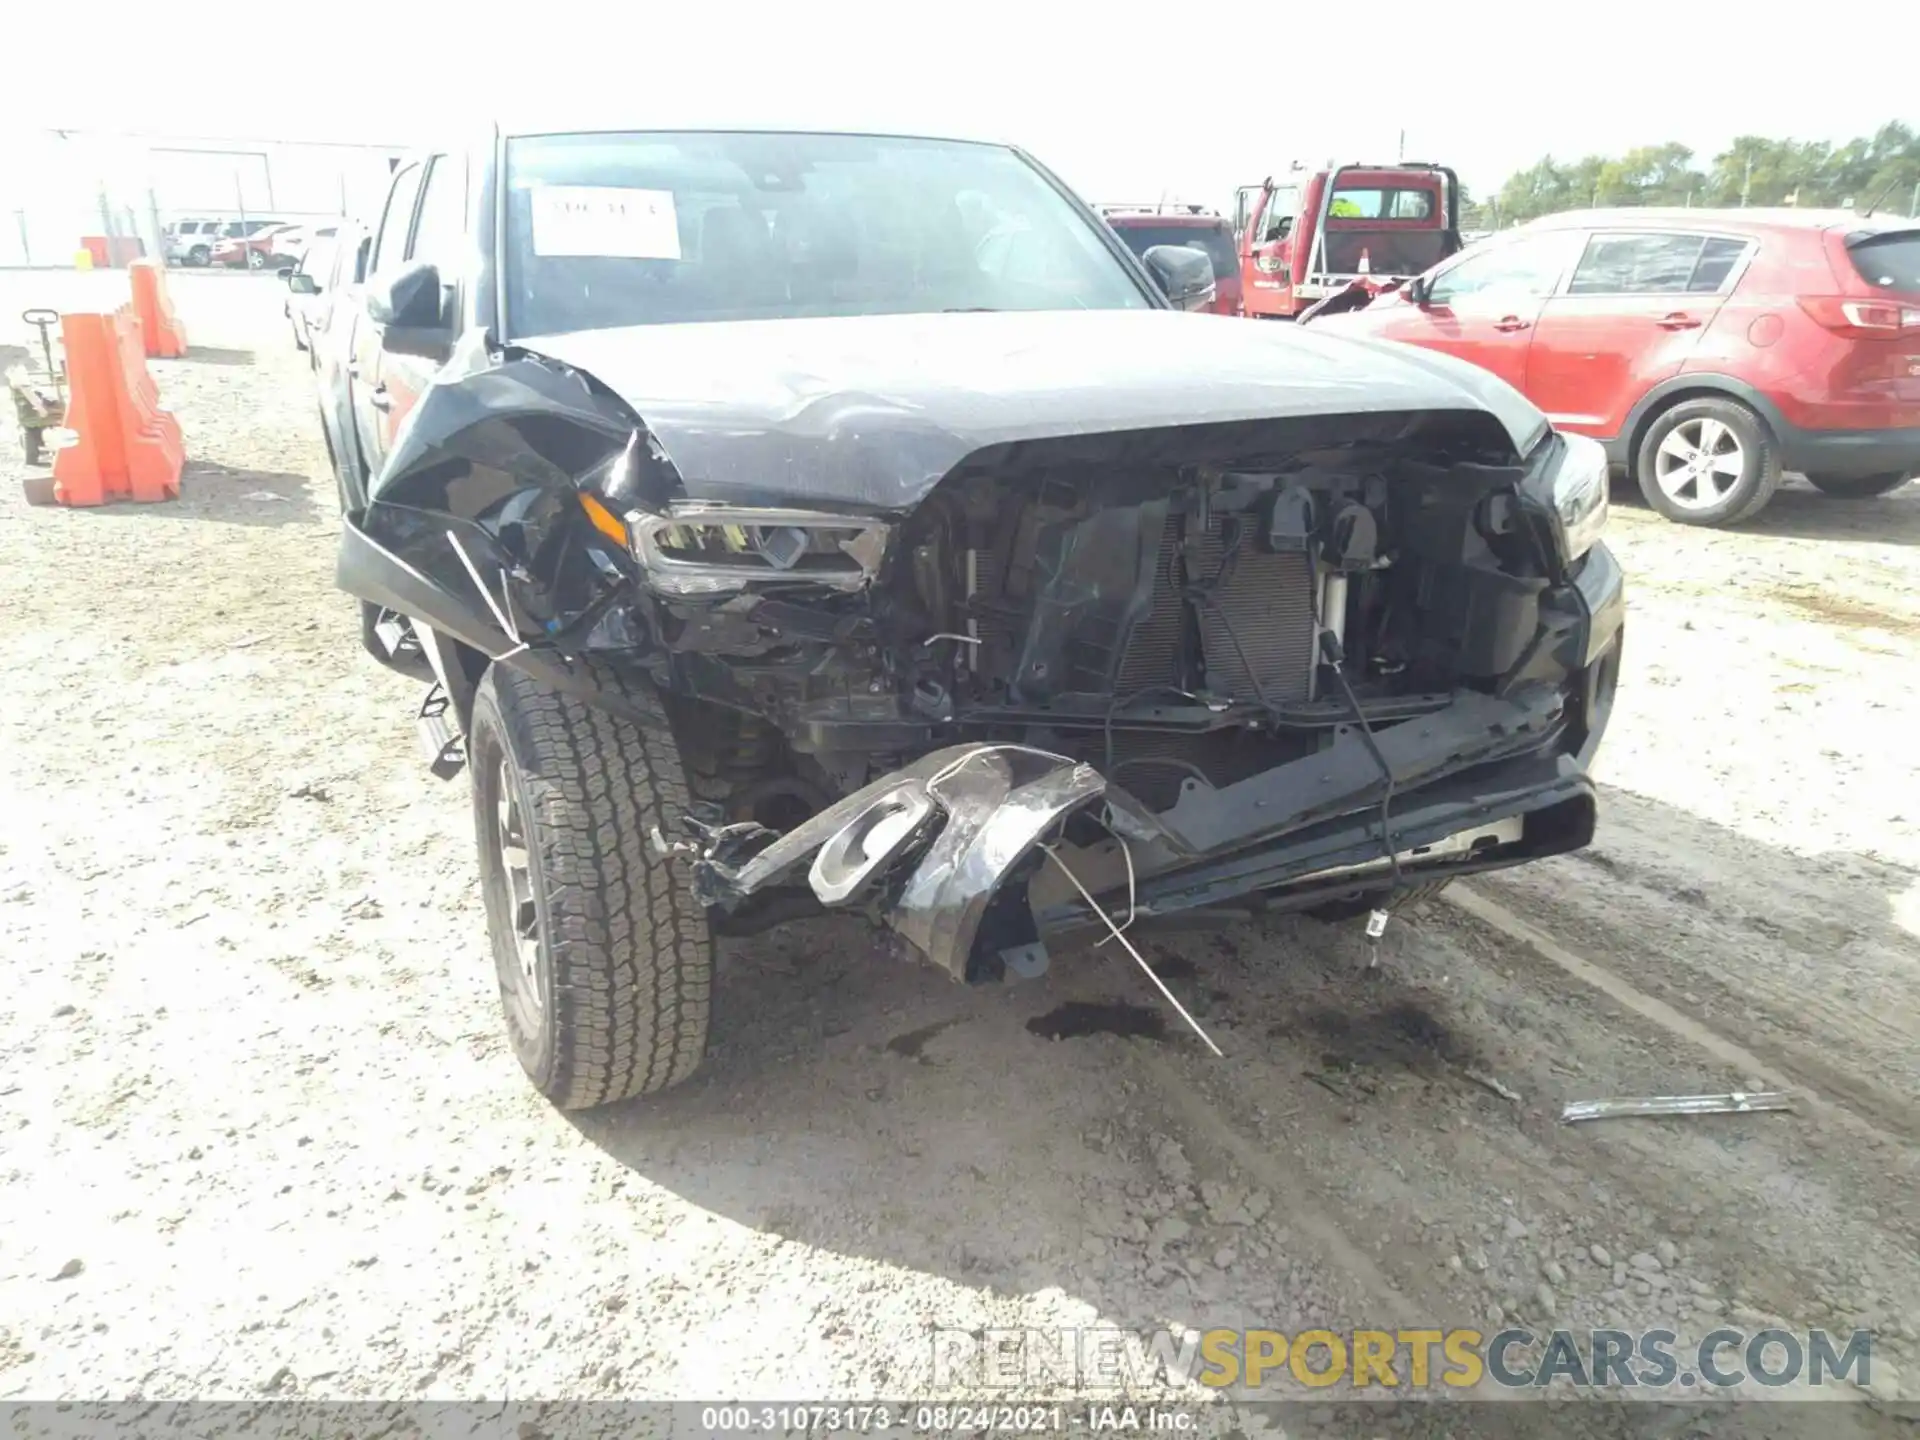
(786, 524)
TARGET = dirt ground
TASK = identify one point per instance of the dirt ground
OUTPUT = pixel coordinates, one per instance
(261, 1134)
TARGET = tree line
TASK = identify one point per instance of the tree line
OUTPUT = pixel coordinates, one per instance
(1882, 169)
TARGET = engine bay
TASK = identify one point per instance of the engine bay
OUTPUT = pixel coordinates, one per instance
(1162, 622)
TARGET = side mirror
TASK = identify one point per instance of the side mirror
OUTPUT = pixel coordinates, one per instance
(301, 283)
(407, 303)
(410, 297)
(1420, 290)
(1184, 276)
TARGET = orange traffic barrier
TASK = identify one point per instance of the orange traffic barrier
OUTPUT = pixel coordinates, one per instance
(160, 328)
(123, 446)
(156, 453)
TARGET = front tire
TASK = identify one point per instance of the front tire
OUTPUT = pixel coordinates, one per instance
(1709, 461)
(604, 957)
(1859, 487)
(199, 255)
(256, 260)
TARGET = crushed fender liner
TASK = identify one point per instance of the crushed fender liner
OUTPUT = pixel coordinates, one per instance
(938, 840)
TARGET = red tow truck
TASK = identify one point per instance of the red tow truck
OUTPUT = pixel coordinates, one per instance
(1305, 235)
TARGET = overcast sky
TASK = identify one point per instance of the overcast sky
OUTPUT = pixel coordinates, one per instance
(1126, 101)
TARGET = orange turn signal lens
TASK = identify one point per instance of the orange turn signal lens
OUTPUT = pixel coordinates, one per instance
(604, 520)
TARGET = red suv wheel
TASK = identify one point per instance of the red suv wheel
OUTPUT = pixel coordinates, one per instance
(1709, 461)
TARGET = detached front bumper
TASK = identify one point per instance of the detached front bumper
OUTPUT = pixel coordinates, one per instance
(949, 850)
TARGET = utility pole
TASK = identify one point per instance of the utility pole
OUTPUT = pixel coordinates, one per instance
(1746, 185)
(156, 235)
(1403, 147)
(1913, 205)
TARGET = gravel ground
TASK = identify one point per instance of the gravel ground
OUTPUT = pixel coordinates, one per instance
(262, 1135)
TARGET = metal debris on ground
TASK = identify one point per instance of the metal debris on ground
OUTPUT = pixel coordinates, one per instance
(1487, 1082)
(1739, 1102)
(1376, 927)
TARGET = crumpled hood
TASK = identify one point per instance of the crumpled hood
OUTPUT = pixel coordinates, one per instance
(872, 411)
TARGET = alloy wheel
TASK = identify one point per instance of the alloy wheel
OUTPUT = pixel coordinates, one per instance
(1698, 463)
(510, 840)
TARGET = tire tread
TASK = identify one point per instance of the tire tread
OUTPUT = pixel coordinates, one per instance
(630, 951)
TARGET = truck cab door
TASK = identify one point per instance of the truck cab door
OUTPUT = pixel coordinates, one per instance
(372, 402)
(1266, 245)
(1245, 199)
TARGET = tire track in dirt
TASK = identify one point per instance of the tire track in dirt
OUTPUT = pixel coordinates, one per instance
(1898, 1128)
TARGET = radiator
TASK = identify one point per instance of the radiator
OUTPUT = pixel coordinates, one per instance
(1266, 604)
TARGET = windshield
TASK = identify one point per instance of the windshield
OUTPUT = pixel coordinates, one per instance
(649, 228)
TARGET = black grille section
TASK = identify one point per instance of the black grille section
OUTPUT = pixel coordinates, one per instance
(1265, 603)
(1153, 767)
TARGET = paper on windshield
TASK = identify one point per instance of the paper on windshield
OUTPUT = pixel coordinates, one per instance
(604, 220)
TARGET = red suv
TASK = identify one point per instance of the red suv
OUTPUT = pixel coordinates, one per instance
(1709, 349)
(1195, 228)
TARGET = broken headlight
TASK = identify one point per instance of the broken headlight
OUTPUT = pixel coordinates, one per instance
(704, 549)
(1580, 493)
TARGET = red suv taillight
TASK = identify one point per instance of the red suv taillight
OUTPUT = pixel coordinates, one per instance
(1863, 319)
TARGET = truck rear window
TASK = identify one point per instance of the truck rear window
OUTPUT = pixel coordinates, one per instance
(1373, 204)
(1889, 259)
(1215, 241)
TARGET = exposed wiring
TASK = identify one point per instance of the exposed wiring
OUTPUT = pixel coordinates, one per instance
(1330, 650)
(1139, 959)
(513, 636)
(999, 747)
(1232, 535)
(1120, 702)
(1126, 853)
(958, 639)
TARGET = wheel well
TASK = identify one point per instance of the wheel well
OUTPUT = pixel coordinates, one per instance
(1680, 397)
(473, 666)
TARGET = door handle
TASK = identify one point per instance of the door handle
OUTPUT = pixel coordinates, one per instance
(1679, 320)
(380, 399)
(1509, 323)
